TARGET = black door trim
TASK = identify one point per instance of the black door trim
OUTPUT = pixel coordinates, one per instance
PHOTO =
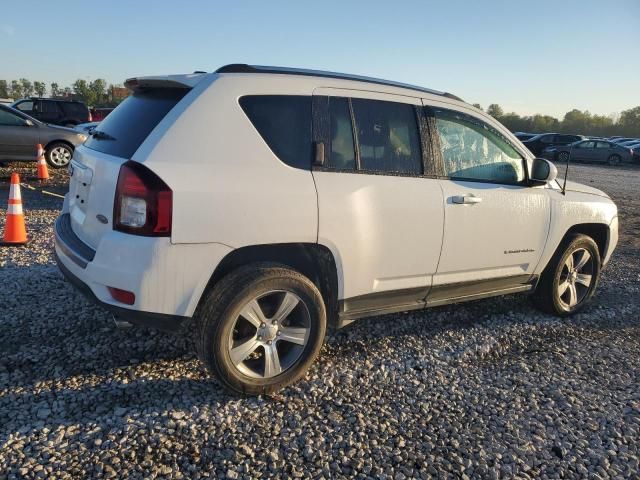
(394, 301)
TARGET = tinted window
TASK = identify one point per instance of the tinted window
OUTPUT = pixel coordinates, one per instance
(567, 138)
(73, 109)
(284, 122)
(602, 145)
(133, 120)
(473, 150)
(25, 106)
(9, 119)
(388, 138)
(342, 156)
(547, 138)
(48, 107)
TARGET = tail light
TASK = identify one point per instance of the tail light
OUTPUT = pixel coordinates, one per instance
(143, 202)
(122, 296)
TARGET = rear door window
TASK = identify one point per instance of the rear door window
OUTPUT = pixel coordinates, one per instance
(388, 138)
(342, 156)
(602, 145)
(74, 109)
(48, 107)
(124, 130)
(284, 123)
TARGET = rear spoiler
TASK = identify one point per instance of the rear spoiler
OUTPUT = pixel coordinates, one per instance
(164, 81)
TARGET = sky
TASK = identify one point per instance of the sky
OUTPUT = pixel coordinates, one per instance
(530, 57)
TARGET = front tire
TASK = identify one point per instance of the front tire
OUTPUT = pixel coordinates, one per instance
(260, 328)
(58, 155)
(571, 277)
(563, 156)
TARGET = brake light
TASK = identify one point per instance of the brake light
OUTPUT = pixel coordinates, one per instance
(143, 202)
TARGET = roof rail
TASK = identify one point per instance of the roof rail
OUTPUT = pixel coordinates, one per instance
(244, 68)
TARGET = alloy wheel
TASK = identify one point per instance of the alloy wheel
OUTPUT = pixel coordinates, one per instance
(576, 278)
(60, 156)
(270, 334)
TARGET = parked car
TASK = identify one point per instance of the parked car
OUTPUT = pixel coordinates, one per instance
(226, 205)
(522, 136)
(100, 113)
(20, 134)
(622, 140)
(538, 143)
(58, 112)
(635, 148)
(600, 151)
(627, 143)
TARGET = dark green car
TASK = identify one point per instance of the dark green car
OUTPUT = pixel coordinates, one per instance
(20, 134)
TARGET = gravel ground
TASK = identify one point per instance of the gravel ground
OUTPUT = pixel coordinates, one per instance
(491, 389)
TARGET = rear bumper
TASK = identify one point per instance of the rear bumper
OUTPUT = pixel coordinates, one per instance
(167, 279)
(166, 323)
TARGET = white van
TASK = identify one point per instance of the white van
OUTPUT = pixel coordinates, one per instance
(255, 207)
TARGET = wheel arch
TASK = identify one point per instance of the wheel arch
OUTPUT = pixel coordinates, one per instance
(599, 232)
(313, 260)
(59, 140)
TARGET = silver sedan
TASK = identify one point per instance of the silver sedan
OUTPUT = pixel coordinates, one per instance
(597, 151)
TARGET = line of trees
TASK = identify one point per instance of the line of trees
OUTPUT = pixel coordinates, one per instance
(626, 124)
(95, 93)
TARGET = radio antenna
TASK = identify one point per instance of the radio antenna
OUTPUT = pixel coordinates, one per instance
(566, 172)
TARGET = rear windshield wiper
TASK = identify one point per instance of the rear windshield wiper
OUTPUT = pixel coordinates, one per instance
(101, 135)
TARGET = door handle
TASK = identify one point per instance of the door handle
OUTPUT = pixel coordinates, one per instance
(466, 199)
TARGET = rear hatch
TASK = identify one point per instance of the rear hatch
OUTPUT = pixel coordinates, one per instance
(96, 164)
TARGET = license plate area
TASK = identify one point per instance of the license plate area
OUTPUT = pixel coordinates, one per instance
(79, 188)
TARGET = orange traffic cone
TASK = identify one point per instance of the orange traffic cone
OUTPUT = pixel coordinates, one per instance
(43, 171)
(15, 232)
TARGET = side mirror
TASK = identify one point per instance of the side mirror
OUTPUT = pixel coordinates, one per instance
(543, 172)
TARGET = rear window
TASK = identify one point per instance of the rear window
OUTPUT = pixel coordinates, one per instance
(124, 130)
(284, 122)
(70, 108)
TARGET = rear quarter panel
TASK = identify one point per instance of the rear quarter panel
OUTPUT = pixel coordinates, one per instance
(228, 186)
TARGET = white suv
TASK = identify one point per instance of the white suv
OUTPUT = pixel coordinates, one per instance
(255, 207)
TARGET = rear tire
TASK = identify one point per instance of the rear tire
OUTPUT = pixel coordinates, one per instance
(614, 160)
(239, 337)
(570, 278)
(58, 155)
(563, 156)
